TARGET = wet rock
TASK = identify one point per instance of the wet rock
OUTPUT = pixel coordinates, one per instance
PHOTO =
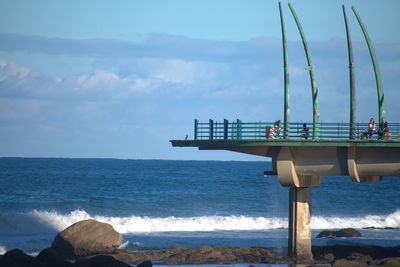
(349, 251)
(145, 264)
(87, 238)
(50, 257)
(216, 255)
(355, 256)
(100, 261)
(349, 263)
(17, 258)
(394, 261)
(328, 257)
(202, 255)
(347, 232)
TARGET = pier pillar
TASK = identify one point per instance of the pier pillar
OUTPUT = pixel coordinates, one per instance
(299, 246)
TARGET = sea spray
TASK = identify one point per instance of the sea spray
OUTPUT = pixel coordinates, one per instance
(60, 221)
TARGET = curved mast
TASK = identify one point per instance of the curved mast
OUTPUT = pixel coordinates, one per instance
(286, 111)
(314, 89)
(377, 71)
(352, 80)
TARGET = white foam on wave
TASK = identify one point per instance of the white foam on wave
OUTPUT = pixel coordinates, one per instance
(138, 224)
(124, 244)
(60, 221)
(3, 250)
(377, 221)
(145, 224)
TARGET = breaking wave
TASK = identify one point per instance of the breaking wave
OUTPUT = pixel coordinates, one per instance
(51, 221)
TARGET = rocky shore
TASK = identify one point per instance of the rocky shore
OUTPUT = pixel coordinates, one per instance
(90, 243)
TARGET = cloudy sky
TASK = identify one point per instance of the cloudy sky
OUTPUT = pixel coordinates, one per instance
(119, 79)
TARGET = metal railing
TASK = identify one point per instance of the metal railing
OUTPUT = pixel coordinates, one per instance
(238, 130)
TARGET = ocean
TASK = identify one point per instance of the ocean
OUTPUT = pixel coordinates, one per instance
(164, 203)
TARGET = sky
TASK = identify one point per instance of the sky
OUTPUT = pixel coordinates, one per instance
(119, 79)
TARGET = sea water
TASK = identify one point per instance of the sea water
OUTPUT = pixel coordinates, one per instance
(161, 203)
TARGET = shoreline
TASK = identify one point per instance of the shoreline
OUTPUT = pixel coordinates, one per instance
(165, 241)
(345, 254)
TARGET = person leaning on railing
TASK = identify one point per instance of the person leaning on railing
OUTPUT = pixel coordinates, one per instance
(306, 131)
(277, 128)
(383, 128)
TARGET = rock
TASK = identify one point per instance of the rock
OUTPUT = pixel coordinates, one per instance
(347, 232)
(394, 261)
(349, 263)
(214, 255)
(86, 238)
(329, 257)
(145, 264)
(50, 257)
(131, 257)
(17, 258)
(100, 261)
(355, 256)
(201, 255)
(364, 252)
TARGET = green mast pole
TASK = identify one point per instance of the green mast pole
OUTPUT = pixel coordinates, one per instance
(377, 71)
(314, 88)
(286, 111)
(352, 80)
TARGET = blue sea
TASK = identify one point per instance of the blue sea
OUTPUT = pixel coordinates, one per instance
(163, 203)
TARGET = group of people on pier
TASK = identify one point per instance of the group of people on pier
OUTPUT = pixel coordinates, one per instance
(273, 132)
(382, 131)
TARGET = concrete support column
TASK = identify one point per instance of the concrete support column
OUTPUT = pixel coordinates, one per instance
(299, 246)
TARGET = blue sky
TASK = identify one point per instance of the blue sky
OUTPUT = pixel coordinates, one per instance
(119, 79)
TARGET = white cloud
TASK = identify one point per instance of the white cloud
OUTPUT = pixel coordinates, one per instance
(180, 71)
(10, 69)
(99, 78)
(149, 75)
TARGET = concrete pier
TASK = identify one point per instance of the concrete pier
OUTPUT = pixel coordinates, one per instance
(301, 164)
(299, 245)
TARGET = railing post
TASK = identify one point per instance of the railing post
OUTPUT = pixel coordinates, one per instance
(225, 129)
(238, 129)
(211, 129)
(195, 128)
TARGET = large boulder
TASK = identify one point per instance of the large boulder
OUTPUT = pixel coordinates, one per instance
(87, 238)
(347, 232)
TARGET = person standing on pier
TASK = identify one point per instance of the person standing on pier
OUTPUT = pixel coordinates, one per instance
(278, 128)
(306, 131)
(383, 128)
(371, 128)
